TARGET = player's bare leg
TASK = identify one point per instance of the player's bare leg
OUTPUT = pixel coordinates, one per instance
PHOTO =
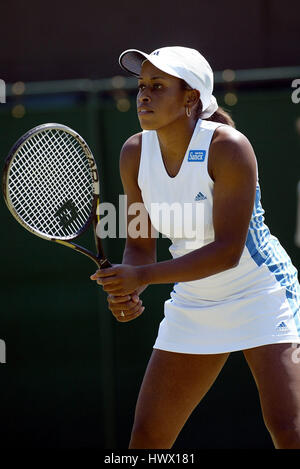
(276, 369)
(173, 385)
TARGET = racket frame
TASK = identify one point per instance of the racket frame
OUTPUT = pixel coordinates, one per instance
(99, 259)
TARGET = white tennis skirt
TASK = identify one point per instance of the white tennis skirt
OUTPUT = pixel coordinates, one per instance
(260, 309)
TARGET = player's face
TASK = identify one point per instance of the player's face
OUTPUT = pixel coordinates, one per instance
(160, 99)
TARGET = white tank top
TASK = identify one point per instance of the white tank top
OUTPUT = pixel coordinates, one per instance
(263, 259)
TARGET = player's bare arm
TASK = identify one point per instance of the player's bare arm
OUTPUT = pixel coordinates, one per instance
(138, 250)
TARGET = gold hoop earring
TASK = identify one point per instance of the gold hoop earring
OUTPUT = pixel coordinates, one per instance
(188, 111)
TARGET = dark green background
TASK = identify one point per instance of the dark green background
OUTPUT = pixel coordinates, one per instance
(73, 373)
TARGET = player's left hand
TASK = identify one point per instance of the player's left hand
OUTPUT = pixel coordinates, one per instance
(118, 280)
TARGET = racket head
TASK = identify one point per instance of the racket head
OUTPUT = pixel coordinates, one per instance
(50, 182)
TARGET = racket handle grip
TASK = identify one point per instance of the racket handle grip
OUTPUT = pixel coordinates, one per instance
(104, 263)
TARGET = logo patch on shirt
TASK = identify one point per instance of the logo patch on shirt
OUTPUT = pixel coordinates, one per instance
(197, 155)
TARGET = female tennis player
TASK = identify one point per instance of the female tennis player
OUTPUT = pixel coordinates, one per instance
(235, 287)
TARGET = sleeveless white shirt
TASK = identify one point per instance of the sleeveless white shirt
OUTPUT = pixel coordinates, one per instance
(181, 209)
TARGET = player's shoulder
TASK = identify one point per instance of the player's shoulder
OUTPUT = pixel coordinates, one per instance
(132, 147)
(227, 136)
(130, 154)
(231, 147)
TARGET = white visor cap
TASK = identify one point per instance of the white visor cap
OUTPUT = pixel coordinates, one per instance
(181, 62)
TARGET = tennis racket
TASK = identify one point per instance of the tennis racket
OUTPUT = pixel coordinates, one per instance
(51, 187)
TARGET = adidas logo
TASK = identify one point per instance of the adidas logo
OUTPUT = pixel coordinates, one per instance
(200, 196)
(282, 327)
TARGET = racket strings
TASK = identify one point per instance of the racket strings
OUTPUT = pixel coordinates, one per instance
(33, 204)
(78, 189)
(78, 168)
(59, 178)
(50, 184)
